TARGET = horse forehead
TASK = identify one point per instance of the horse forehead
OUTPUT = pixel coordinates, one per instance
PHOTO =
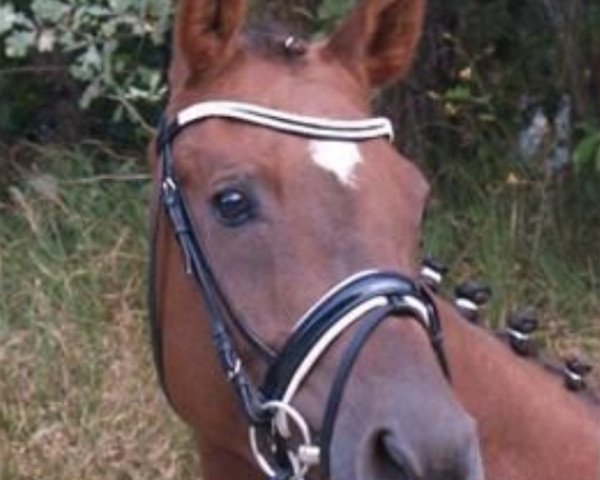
(309, 85)
(341, 158)
(257, 152)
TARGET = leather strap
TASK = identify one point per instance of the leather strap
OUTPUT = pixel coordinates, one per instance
(302, 125)
(330, 310)
(384, 293)
(360, 338)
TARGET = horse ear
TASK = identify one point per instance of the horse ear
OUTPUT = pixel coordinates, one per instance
(205, 31)
(379, 38)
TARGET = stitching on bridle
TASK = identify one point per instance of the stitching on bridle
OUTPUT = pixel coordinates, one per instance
(302, 125)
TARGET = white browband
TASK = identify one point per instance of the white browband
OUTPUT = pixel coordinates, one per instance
(288, 122)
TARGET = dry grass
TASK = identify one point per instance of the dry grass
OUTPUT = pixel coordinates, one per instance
(79, 398)
(115, 426)
(536, 246)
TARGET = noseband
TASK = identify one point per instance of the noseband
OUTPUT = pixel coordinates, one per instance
(366, 299)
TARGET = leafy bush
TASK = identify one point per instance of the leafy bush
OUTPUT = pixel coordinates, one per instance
(328, 13)
(485, 68)
(110, 46)
(586, 156)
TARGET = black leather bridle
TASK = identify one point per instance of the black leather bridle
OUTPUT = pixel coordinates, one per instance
(366, 299)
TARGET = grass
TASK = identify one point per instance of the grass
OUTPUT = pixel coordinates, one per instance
(77, 388)
(535, 242)
(78, 396)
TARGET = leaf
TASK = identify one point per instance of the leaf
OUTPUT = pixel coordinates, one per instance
(88, 64)
(108, 29)
(91, 93)
(95, 11)
(18, 43)
(49, 10)
(329, 12)
(121, 7)
(587, 152)
(459, 93)
(7, 18)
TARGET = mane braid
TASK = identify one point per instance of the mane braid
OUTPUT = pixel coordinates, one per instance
(552, 366)
(270, 40)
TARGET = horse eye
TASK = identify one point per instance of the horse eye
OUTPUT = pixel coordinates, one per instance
(233, 207)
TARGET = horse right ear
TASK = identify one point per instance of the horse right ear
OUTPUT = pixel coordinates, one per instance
(379, 38)
(205, 33)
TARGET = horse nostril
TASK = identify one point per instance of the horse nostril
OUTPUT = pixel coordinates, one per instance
(398, 457)
(395, 461)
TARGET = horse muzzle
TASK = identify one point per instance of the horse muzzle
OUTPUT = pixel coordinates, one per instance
(407, 435)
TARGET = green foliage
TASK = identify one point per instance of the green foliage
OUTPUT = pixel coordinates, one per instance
(329, 13)
(483, 68)
(587, 152)
(484, 71)
(534, 241)
(110, 46)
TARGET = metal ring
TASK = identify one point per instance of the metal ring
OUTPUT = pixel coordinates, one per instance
(467, 304)
(233, 373)
(289, 42)
(432, 275)
(300, 465)
(517, 335)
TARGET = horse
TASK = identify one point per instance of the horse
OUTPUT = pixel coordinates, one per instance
(290, 329)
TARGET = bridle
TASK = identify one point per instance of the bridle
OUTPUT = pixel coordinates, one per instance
(367, 299)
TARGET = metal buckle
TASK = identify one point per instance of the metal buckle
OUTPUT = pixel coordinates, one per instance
(169, 188)
(307, 454)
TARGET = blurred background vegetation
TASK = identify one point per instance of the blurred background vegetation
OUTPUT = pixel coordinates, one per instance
(502, 111)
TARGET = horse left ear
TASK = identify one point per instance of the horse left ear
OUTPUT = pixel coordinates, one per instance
(379, 38)
(206, 30)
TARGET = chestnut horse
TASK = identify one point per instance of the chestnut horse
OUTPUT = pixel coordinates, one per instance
(286, 238)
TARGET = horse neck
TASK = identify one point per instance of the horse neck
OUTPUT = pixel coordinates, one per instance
(530, 425)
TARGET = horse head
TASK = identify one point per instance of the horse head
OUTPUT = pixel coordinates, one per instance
(293, 233)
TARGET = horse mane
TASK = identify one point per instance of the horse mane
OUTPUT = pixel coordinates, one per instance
(275, 40)
(590, 394)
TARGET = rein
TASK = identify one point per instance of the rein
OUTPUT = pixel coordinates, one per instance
(368, 298)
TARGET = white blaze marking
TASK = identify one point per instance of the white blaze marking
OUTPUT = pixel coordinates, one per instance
(340, 158)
